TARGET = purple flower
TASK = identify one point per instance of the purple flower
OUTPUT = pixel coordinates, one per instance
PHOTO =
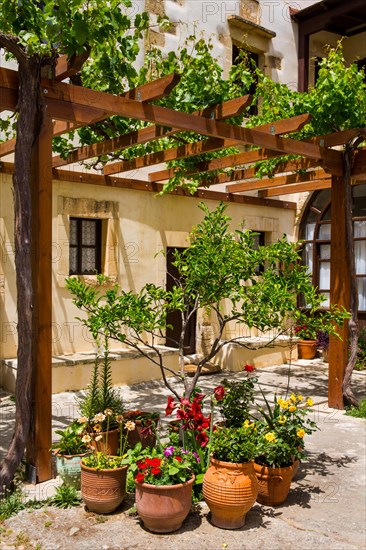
(197, 457)
(184, 452)
(169, 451)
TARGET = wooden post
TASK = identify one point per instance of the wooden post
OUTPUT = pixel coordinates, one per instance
(339, 292)
(38, 449)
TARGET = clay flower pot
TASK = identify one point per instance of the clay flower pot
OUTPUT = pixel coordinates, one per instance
(103, 490)
(273, 484)
(163, 508)
(144, 431)
(306, 349)
(230, 490)
(107, 445)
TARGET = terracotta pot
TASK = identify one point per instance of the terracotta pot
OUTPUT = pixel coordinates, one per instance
(68, 468)
(306, 349)
(230, 490)
(103, 490)
(163, 508)
(273, 484)
(109, 447)
(143, 433)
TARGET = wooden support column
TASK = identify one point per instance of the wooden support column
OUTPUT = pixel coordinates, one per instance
(303, 57)
(38, 449)
(339, 292)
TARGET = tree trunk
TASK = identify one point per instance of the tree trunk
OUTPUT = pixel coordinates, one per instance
(348, 395)
(28, 126)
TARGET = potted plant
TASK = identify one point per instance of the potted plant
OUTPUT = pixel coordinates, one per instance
(145, 427)
(68, 452)
(103, 476)
(230, 484)
(281, 432)
(306, 343)
(322, 344)
(237, 399)
(100, 396)
(164, 480)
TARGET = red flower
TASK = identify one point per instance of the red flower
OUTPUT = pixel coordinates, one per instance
(142, 464)
(170, 406)
(219, 393)
(155, 471)
(140, 478)
(153, 462)
(248, 368)
(179, 458)
(202, 439)
(184, 401)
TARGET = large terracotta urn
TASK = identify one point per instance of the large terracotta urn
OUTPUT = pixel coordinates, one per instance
(230, 490)
(103, 490)
(273, 483)
(163, 508)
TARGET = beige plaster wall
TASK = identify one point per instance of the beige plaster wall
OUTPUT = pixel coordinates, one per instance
(140, 226)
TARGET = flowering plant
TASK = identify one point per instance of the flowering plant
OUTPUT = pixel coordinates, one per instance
(282, 429)
(237, 398)
(97, 440)
(231, 444)
(305, 332)
(169, 466)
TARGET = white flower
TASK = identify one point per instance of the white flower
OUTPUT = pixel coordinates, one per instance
(82, 420)
(98, 437)
(130, 426)
(108, 412)
(99, 418)
(86, 438)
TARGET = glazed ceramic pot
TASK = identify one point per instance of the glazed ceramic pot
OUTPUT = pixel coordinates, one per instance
(103, 490)
(306, 349)
(273, 483)
(68, 468)
(163, 508)
(230, 490)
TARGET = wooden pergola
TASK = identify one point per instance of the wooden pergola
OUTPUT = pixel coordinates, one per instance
(69, 107)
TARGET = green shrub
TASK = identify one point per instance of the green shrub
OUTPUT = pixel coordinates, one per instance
(360, 411)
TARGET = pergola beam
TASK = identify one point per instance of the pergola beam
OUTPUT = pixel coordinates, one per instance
(267, 183)
(296, 188)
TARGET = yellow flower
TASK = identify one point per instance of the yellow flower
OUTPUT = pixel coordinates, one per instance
(309, 402)
(292, 408)
(246, 424)
(283, 404)
(282, 419)
(293, 398)
(300, 433)
(97, 428)
(299, 398)
(270, 437)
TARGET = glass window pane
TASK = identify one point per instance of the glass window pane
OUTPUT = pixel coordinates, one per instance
(88, 261)
(73, 263)
(321, 199)
(326, 302)
(309, 231)
(88, 232)
(360, 257)
(359, 229)
(73, 232)
(361, 283)
(324, 232)
(325, 251)
(308, 256)
(324, 275)
(359, 200)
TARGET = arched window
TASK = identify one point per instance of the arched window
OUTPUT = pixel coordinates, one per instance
(315, 231)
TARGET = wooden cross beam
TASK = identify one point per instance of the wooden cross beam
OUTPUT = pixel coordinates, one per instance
(224, 110)
(266, 183)
(296, 188)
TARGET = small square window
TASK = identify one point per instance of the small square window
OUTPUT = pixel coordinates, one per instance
(85, 246)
